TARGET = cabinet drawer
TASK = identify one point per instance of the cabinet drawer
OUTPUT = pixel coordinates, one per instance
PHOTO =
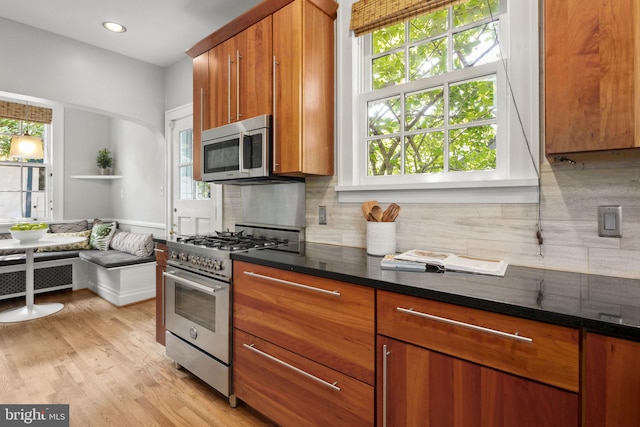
(324, 320)
(294, 391)
(531, 349)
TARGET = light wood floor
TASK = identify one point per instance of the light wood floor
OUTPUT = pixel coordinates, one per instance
(105, 363)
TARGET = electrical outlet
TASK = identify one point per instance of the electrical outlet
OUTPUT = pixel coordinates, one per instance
(610, 221)
(322, 215)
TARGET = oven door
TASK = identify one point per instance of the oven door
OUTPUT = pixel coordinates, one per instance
(197, 309)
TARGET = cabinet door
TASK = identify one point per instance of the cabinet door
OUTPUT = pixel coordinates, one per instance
(422, 388)
(303, 54)
(161, 266)
(591, 75)
(222, 81)
(240, 71)
(295, 391)
(612, 373)
(253, 68)
(201, 110)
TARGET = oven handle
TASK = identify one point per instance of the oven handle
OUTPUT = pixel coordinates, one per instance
(297, 285)
(192, 284)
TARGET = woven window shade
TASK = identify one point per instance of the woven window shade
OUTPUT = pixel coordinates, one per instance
(370, 15)
(13, 110)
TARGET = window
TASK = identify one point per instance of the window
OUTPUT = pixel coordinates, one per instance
(23, 189)
(433, 106)
(189, 189)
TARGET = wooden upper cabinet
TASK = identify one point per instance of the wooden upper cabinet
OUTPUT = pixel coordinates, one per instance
(201, 98)
(303, 54)
(240, 75)
(254, 75)
(592, 77)
(277, 58)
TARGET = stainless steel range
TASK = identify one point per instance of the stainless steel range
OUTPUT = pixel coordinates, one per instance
(197, 286)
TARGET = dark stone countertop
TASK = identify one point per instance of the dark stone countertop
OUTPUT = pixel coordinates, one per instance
(602, 304)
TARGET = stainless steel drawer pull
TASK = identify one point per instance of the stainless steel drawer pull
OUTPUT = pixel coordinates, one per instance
(298, 370)
(515, 336)
(385, 372)
(298, 285)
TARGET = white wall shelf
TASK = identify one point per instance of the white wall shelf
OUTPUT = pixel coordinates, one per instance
(96, 176)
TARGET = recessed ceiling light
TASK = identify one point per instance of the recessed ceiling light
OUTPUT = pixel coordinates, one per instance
(114, 26)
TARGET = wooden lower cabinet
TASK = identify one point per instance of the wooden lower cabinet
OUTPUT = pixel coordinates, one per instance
(161, 266)
(303, 347)
(420, 387)
(611, 396)
(295, 391)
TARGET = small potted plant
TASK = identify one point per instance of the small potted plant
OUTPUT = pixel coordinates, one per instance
(105, 161)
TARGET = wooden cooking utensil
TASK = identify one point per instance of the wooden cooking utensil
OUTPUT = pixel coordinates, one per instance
(376, 211)
(391, 213)
(366, 208)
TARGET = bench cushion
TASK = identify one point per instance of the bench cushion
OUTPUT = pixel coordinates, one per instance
(17, 259)
(112, 258)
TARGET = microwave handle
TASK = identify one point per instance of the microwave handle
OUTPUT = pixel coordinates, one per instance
(241, 154)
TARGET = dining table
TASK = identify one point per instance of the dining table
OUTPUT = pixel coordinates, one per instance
(31, 310)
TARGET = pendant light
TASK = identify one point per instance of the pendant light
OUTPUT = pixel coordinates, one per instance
(26, 146)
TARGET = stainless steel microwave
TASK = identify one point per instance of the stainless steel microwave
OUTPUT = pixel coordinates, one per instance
(239, 150)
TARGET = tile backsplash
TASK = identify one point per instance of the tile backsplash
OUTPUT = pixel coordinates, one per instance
(570, 196)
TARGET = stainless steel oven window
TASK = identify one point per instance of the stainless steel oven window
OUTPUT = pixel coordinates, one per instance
(198, 307)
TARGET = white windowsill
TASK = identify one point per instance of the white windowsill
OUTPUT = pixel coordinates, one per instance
(512, 191)
(96, 176)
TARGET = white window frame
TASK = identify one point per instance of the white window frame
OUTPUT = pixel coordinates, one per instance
(48, 167)
(516, 178)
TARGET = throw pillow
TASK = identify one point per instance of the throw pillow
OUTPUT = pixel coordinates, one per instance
(101, 235)
(133, 243)
(70, 227)
(71, 246)
(102, 221)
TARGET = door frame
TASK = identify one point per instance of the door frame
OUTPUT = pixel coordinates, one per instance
(170, 117)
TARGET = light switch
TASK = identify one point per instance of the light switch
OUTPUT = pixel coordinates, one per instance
(610, 221)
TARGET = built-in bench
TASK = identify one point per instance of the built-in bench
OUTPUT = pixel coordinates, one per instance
(119, 277)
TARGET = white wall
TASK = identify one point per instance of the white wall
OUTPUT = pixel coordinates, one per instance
(85, 133)
(179, 84)
(55, 68)
(100, 99)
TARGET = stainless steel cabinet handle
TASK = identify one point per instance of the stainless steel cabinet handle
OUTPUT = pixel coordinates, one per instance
(238, 115)
(158, 250)
(385, 359)
(297, 285)
(275, 121)
(515, 336)
(298, 370)
(229, 89)
(201, 111)
(191, 283)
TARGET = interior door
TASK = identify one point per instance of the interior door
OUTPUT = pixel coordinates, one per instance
(196, 206)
